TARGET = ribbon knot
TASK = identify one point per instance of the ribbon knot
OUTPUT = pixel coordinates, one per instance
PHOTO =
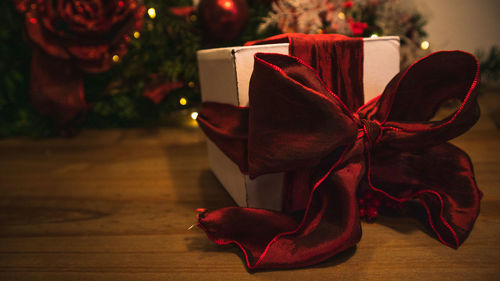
(296, 125)
(371, 129)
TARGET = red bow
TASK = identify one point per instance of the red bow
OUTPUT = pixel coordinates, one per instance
(295, 124)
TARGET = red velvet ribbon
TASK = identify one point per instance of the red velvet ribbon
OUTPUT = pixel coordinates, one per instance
(331, 148)
(56, 89)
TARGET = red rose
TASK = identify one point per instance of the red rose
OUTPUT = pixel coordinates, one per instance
(357, 27)
(88, 32)
(74, 35)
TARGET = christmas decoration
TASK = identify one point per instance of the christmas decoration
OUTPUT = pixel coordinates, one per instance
(166, 46)
(184, 11)
(490, 65)
(71, 36)
(127, 94)
(490, 74)
(159, 87)
(223, 19)
(354, 18)
(357, 28)
(88, 34)
(369, 203)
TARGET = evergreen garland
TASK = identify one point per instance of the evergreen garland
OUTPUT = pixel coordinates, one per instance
(165, 50)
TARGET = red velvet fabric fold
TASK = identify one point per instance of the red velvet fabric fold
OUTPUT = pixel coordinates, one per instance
(56, 89)
(337, 60)
(297, 125)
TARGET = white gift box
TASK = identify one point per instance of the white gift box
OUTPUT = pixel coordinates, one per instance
(224, 77)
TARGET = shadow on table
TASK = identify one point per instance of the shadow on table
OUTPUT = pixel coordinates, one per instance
(192, 181)
(330, 262)
(212, 193)
(203, 244)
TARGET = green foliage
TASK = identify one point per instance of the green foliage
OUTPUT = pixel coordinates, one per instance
(166, 48)
(490, 65)
(16, 114)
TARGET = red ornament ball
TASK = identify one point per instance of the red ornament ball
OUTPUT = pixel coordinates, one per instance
(362, 212)
(223, 19)
(371, 213)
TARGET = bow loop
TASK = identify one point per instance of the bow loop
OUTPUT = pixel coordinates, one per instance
(413, 97)
(294, 120)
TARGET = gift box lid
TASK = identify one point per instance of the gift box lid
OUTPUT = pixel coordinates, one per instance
(225, 72)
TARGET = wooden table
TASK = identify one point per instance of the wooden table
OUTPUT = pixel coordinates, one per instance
(117, 205)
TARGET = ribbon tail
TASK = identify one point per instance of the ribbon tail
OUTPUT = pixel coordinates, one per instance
(441, 178)
(56, 89)
(270, 239)
(227, 126)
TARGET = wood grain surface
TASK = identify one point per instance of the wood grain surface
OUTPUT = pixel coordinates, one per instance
(117, 205)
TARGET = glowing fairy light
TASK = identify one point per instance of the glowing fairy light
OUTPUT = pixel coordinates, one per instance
(425, 45)
(226, 4)
(116, 58)
(194, 115)
(183, 101)
(137, 34)
(152, 13)
(341, 15)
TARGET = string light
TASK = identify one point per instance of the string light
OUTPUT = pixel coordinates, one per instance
(194, 115)
(152, 13)
(137, 34)
(227, 4)
(183, 101)
(191, 84)
(374, 35)
(116, 58)
(341, 16)
(425, 45)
